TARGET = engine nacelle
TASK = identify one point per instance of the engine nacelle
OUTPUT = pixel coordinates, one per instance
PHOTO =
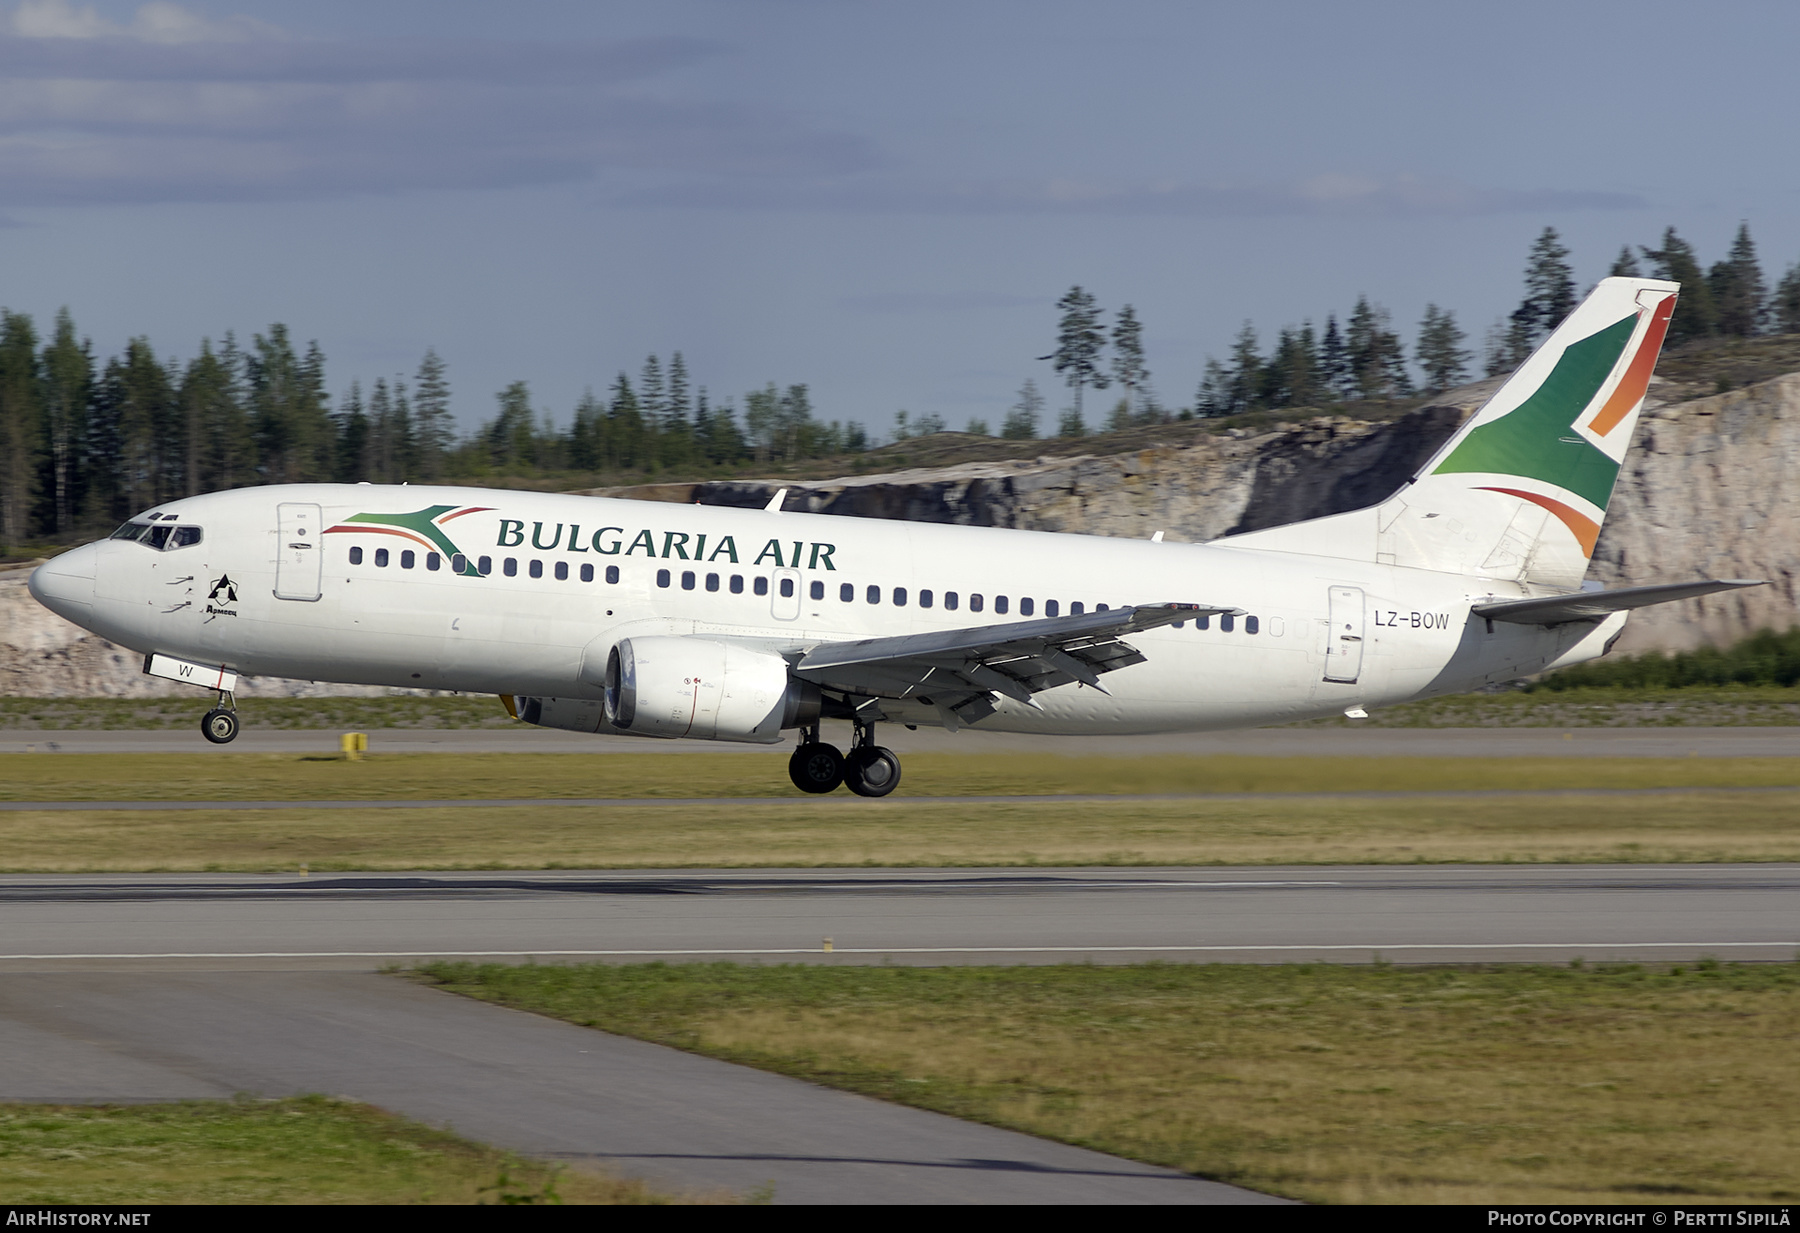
(704, 690)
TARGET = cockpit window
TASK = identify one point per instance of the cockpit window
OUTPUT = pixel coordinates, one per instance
(157, 536)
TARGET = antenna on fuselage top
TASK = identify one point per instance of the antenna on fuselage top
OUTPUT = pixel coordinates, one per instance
(774, 505)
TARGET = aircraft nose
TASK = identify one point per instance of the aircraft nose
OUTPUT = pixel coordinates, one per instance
(65, 584)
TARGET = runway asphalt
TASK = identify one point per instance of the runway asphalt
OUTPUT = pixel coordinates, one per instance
(159, 987)
(533, 1085)
(1401, 914)
(1264, 742)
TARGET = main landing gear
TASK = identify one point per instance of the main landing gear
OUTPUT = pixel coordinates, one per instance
(220, 725)
(867, 770)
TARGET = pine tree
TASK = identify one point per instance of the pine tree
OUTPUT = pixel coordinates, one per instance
(1785, 304)
(1021, 423)
(68, 377)
(1291, 377)
(1440, 351)
(432, 427)
(1737, 288)
(652, 398)
(1696, 316)
(1244, 377)
(212, 399)
(351, 460)
(1079, 341)
(1128, 360)
(511, 436)
(1625, 265)
(21, 425)
(288, 406)
(1213, 399)
(1377, 360)
(1549, 290)
(1334, 362)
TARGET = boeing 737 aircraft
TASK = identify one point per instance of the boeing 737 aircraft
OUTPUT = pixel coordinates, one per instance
(663, 620)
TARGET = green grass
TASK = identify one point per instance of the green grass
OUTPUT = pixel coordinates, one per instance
(1602, 706)
(304, 1150)
(843, 831)
(432, 776)
(1329, 1084)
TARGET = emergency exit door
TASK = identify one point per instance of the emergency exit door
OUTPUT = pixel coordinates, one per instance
(1344, 638)
(298, 556)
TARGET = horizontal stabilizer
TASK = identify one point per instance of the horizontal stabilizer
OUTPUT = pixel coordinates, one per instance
(1597, 605)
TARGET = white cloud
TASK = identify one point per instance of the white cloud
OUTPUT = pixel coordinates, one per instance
(156, 22)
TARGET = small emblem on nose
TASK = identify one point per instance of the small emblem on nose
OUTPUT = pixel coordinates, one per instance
(226, 585)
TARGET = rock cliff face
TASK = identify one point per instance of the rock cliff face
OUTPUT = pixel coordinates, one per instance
(1708, 490)
(1711, 489)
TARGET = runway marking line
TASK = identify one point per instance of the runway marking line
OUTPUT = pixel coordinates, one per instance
(1037, 799)
(902, 950)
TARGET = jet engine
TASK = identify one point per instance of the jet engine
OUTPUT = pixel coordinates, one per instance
(704, 690)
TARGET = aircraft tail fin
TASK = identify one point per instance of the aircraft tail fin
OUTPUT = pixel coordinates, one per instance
(1520, 492)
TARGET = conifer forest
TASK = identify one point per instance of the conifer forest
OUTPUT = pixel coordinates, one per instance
(85, 442)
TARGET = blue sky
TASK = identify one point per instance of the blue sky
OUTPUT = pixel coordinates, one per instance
(882, 200)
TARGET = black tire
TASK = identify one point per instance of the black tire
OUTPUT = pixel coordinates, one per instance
(219, 727)
(871, 770)
(816, 767)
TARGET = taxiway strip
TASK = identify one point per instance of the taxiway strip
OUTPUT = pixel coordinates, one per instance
(1777, 742)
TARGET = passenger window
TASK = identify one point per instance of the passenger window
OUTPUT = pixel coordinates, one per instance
(433, 561)
(950, 600)
(356, 556)
(1204, 622)
(846, 593)
(185, 536)
(407, 558)
(737, 584)
(458, 563)
(712, 582)
(1051, 608)
(873, 595)
(510, 567)
(1027, 606)
(787, 588)
(687, 579)
(612, 574)
(1251, 625)
(485, 566)
(899, 597)
(1101, 608)
(1000, 604)
(587, 573)
(761, 586)
(1077, 608)
(662, 577)
(1226, 622)
(974, 603)
(562, 571)
(537, 569)
(924, 599)
(381, 557)
(817, 589)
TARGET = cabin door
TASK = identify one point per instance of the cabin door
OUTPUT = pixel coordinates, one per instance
(785, 602)
(298, 560)
(1344, 638)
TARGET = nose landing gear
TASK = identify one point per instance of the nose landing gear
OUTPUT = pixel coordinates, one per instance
(220, 725)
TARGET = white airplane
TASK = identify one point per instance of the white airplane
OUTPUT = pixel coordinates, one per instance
(662, 620)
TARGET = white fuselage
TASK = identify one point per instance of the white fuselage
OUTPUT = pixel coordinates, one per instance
(328, 612)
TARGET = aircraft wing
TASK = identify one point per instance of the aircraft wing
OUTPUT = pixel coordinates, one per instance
(960, 670)
(1596, 605)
